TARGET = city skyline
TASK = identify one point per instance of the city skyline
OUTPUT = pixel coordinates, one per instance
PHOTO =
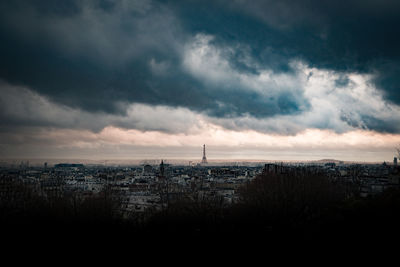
(252, 80)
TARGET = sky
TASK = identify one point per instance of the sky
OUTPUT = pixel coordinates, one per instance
(251, 79)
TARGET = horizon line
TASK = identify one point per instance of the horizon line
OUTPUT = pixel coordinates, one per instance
(193, 160)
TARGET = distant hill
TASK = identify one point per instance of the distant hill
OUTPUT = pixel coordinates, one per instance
(329, 161)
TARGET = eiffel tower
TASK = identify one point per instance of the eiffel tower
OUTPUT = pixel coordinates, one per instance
(204, 160)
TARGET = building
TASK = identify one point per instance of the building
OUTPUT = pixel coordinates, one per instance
(69, 165)
(147, 169)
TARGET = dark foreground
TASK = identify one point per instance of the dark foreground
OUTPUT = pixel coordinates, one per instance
(282, 212)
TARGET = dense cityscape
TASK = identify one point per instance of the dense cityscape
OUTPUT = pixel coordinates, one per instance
(302, 202)
(151, 187)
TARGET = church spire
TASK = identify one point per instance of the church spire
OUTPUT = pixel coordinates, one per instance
(162, 170)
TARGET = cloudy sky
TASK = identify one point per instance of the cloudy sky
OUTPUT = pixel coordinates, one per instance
(251, 79)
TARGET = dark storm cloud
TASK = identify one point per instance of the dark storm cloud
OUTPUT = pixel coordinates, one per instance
(95, 55)
(340, 35)
(90, 58)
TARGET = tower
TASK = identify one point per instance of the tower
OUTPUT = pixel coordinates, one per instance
(204, 160)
